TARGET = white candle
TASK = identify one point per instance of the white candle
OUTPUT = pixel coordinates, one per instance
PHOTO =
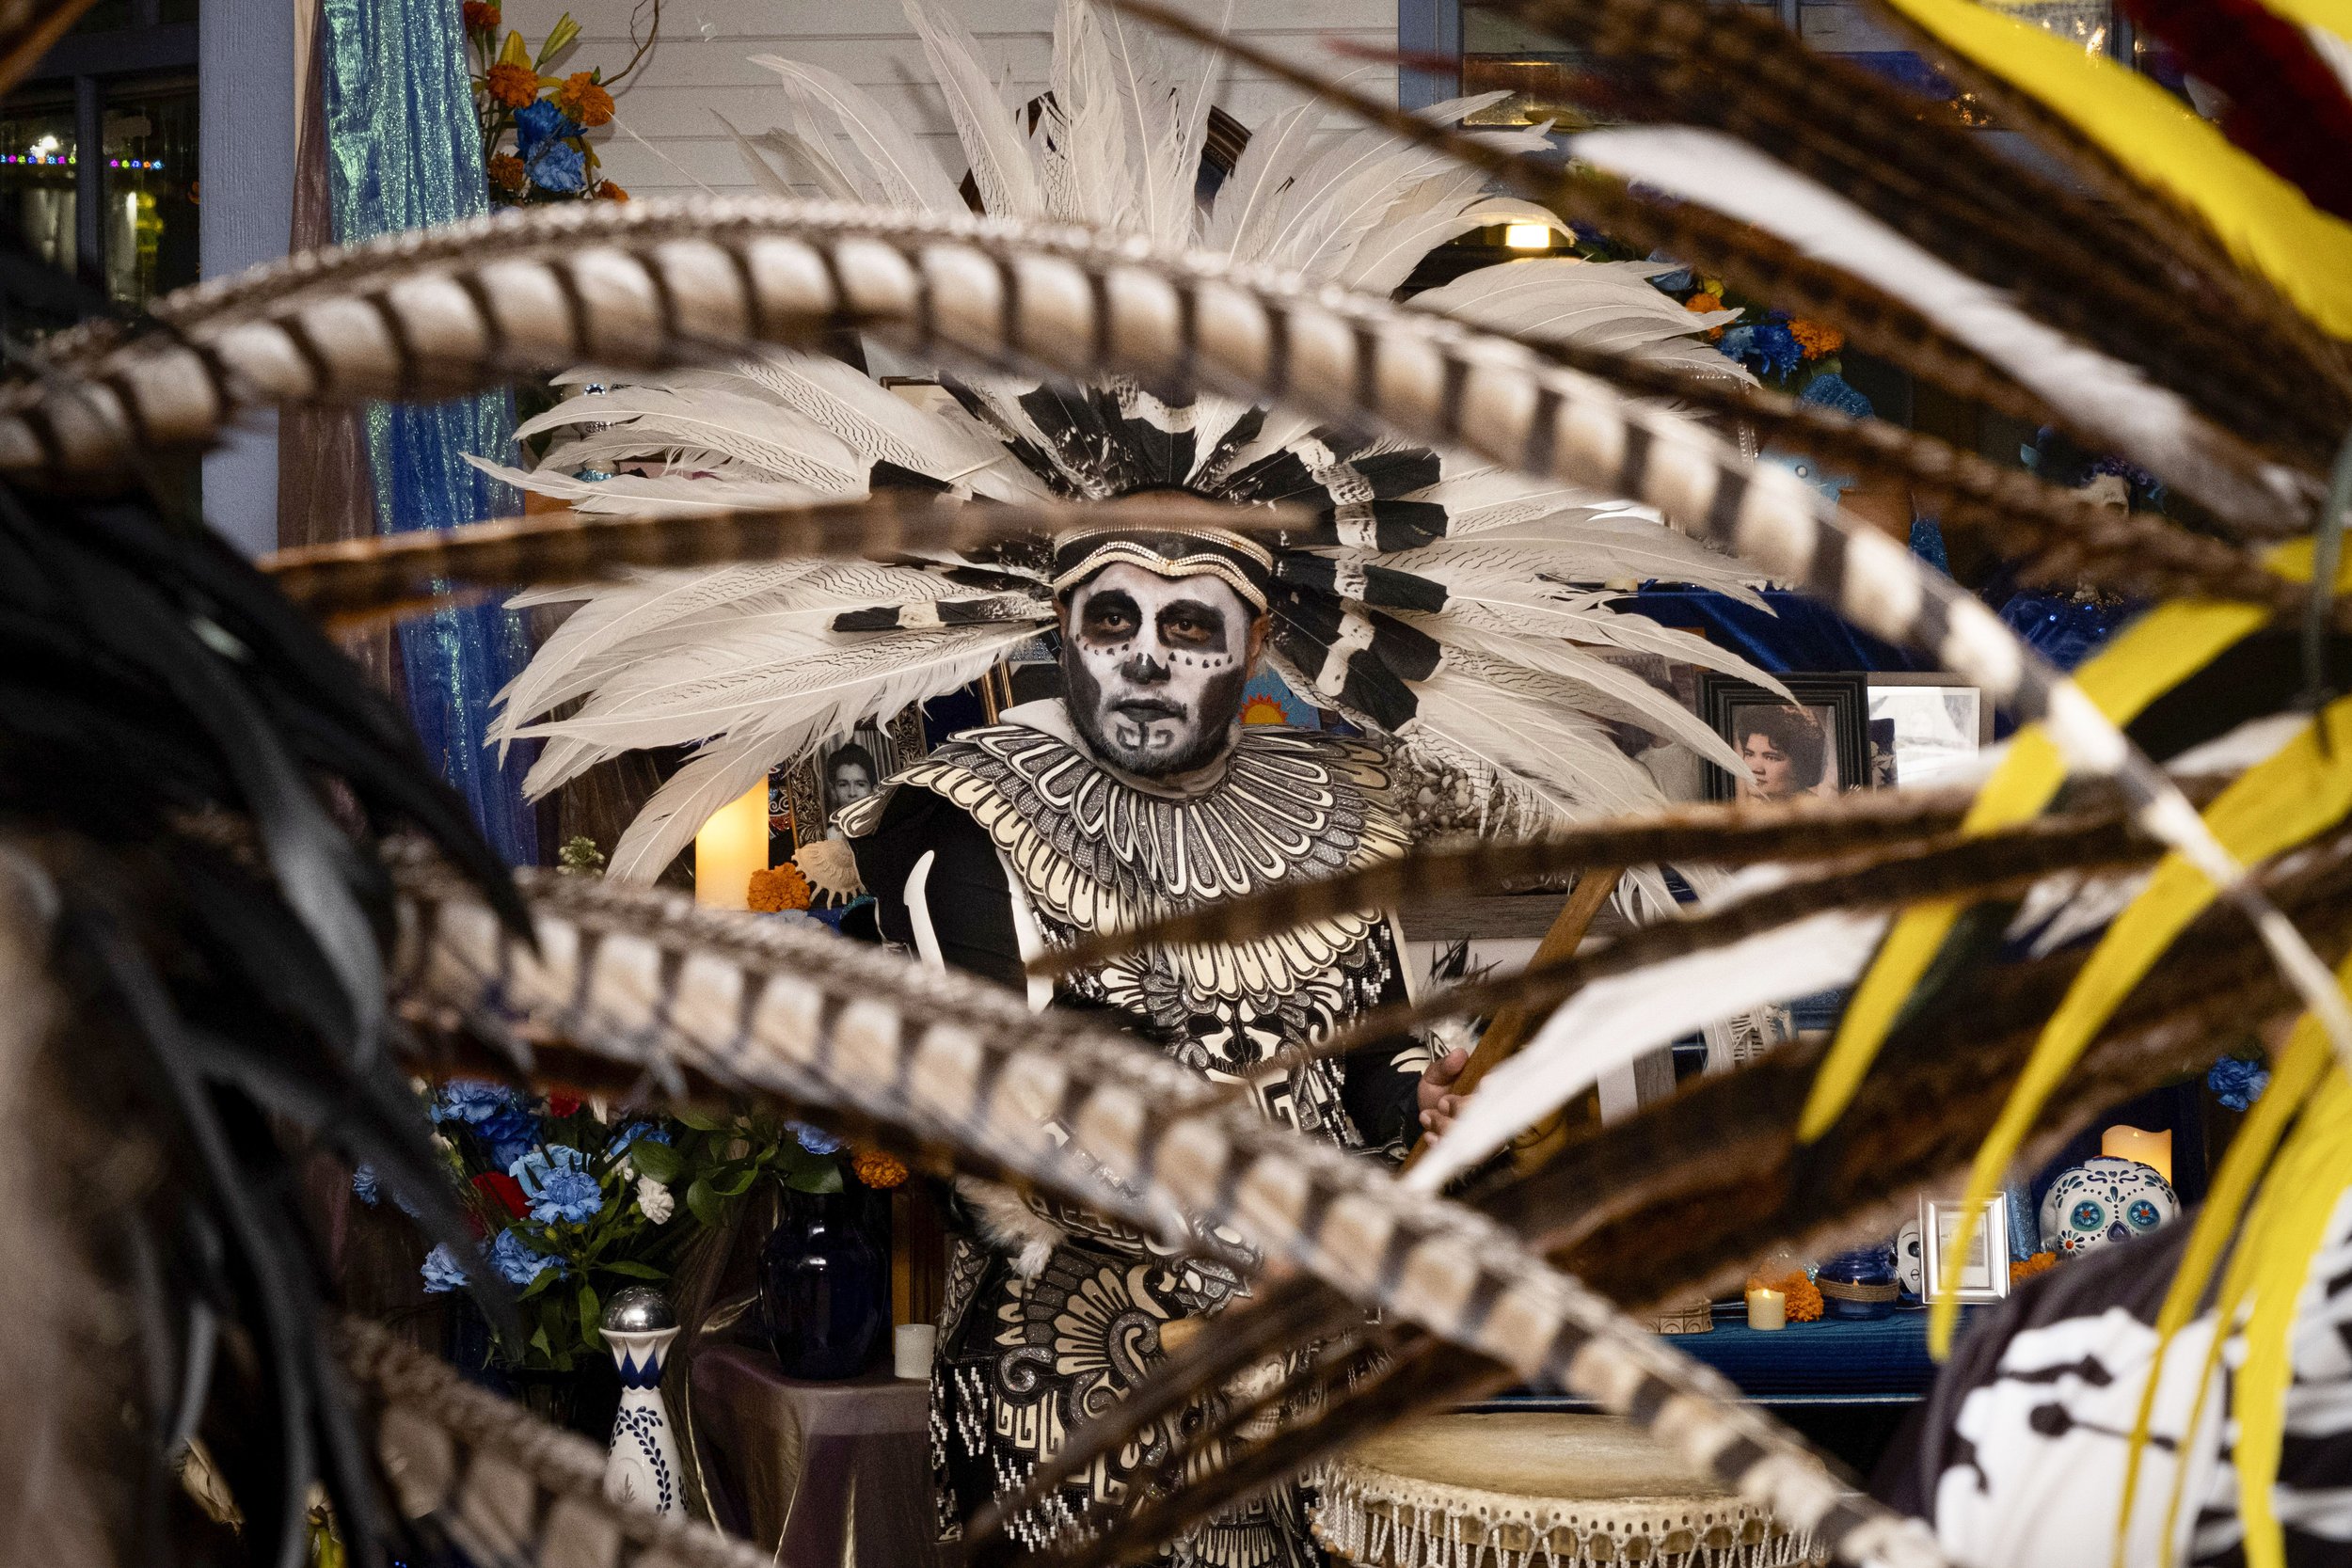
(911, 1349)
(1767, 1307)
(730, 847)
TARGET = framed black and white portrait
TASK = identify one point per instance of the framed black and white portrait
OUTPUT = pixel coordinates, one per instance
(845, 770)
(1817, 745)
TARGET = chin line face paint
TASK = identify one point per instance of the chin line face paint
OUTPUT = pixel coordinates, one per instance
(1154, 668)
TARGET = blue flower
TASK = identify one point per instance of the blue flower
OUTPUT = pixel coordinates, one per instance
(558, 166)
(510, 1134)
(517, 1260)
(557, 1182)
(472, 1103)
(634, 1131)
(1768, 346)
(2236, 1081)
(441, 1272)
(813, 1140)
(363, 1185)
(539, 122)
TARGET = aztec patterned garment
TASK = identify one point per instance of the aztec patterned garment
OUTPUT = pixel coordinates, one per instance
(2018, 1457)
(1053, 1314)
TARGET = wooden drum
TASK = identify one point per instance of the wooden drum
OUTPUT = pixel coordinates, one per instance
(1537, 1490)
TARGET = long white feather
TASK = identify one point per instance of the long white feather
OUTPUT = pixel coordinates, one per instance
(909, 177)
(1612, 1020)
(1515, 721)
(1621, 692)
(850, 693)
(2110, 399)
(646, 496)
(764, 436)
(999, 154)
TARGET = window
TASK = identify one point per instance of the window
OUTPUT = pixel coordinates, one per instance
(98, 153)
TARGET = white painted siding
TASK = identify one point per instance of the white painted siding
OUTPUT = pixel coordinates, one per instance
(702, 64)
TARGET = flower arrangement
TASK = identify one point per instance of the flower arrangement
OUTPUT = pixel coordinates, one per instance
(533, 125)
(2237, 1082)
(1787, 353)
(571, 1204)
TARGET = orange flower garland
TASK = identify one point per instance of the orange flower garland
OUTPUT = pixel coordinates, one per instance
(777, 889)
(483, 17)
(506, 172)
(2025, 1269)
(878, 1170)
(608, 191)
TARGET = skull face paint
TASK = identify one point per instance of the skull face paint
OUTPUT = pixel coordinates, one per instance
(1154, 668)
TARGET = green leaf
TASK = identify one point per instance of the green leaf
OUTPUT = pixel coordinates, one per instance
(737, 1184)
(657, 1159)
(591, 1316)
(702, 1203)
(539, 1340)
(547, 1277)
(696, 1120)
(632, 1270)
(826, 1180)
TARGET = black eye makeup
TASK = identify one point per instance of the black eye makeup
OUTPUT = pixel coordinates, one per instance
(1188, 622)
(1109, 616)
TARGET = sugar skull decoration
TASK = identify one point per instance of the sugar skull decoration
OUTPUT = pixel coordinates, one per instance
(1911, 1270)
(2104, 1200)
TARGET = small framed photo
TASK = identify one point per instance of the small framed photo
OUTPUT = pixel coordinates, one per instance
(1819, 745)
(1932, 723)
(1984, 1271)
(846, 768)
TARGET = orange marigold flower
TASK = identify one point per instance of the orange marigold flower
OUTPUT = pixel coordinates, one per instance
(608, 191)
(1699, 304)
(878, 1170)
(1804, 1297)
(1815, 337)
(512, 84)
(2025, 1269)
(482, 16)
(506, 172)
(777, 889)
(583, 100)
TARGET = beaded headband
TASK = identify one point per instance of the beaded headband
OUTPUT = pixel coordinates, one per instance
(1239, 562)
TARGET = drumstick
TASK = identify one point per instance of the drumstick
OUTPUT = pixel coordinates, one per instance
(1513, 1026)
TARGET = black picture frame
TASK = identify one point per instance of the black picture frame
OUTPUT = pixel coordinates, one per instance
(1838, 703)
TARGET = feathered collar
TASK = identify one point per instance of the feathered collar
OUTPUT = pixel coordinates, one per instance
(1096, 850)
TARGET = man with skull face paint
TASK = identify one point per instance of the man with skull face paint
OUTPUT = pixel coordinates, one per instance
(1137, 793)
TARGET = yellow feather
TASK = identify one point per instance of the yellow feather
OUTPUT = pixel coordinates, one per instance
(2313, 1172)
(2153, 655)
(2296, 1073)
(2303, 790)
(2264, 222)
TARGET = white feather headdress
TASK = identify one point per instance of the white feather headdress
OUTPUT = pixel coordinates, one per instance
(1434, 597)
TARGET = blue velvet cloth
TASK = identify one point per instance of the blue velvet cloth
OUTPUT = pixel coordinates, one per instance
(1881, 1357)
(405, 151)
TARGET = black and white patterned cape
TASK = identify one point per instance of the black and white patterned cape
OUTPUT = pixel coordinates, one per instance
(1029, 1346)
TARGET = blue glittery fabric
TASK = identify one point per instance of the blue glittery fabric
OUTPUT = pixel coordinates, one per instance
(403, 151)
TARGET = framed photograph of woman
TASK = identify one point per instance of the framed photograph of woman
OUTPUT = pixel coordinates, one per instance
(1819, 745)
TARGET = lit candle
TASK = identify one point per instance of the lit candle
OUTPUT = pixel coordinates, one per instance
(1767, 1307)
(731, 845)
(2154, 1149)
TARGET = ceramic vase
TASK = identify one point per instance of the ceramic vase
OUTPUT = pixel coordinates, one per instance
(824, 1288)
(641, 1465)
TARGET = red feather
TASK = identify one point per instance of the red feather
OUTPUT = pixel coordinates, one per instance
(2286, 106)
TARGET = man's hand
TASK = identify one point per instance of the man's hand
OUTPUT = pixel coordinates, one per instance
(1439, 1105)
